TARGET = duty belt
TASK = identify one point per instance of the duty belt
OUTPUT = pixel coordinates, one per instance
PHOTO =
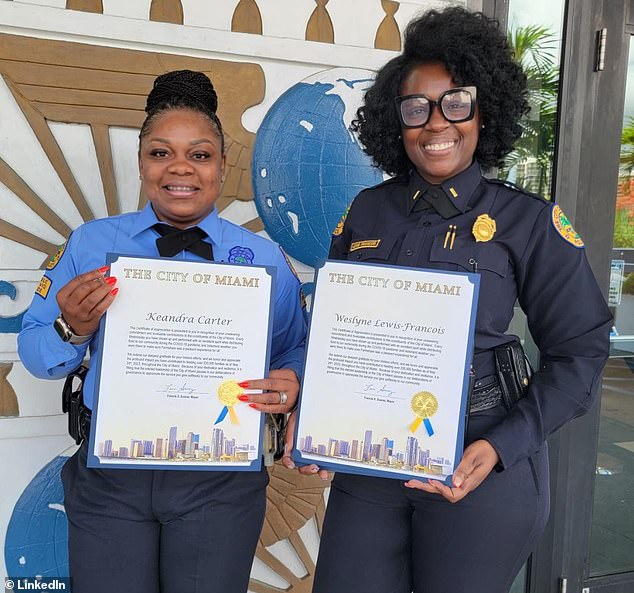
(486, 394)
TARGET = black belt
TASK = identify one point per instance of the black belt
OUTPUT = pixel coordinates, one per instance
(486, 394)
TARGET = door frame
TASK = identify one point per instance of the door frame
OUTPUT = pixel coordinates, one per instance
(586, 165)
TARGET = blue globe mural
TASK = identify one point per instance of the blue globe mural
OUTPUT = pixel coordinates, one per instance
(37, 536)
(307, 165)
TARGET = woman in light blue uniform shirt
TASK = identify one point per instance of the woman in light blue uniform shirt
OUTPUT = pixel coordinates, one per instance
(147, 530)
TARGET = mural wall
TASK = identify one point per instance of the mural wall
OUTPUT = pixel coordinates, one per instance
(73, 78)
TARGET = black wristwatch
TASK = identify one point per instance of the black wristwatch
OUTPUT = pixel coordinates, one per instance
(67, 333)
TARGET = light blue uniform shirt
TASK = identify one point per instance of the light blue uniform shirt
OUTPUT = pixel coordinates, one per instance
(46, 356)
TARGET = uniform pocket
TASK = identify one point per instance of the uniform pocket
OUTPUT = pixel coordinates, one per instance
(468, 255)
(539, 467)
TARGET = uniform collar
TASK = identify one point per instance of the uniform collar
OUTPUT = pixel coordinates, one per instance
(451, 197)
(147, 219)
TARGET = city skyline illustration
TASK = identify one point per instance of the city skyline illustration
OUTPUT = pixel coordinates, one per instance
(379, 454)
(171, 448)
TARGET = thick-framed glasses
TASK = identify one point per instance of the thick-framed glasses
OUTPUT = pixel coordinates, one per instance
(456, 105)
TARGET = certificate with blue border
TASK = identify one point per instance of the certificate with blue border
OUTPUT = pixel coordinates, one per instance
(386, 383)
(174, 344)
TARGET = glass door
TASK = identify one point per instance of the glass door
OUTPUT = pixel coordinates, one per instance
(588, 545)
(612, 536)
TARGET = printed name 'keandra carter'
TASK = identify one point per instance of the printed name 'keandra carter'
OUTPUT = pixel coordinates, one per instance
(182, 318)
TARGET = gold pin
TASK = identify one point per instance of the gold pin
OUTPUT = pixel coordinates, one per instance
(453, 192)
(450, 235)
(416, 194)
(447, 235)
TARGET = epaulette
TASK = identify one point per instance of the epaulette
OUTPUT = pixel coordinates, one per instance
(517, 188)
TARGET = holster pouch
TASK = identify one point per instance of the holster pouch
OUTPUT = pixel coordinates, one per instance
(514, 372)
(73, 404)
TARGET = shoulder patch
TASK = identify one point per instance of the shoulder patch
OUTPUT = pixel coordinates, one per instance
(339, 228)
(564, 228)
(43, 287)
(55, 259)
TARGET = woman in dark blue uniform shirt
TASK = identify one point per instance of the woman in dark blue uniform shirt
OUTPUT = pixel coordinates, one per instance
(435, 117)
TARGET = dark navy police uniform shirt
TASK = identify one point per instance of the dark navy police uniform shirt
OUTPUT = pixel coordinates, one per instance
(533, 255)
(46, 356)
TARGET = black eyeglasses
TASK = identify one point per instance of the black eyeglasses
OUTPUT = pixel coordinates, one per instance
(456, 105)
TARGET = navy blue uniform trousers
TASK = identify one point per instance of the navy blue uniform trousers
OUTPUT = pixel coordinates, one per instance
(148, 531)
(380, 537)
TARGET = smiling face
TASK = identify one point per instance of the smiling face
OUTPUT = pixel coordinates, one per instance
(439, 149)
(181, 165)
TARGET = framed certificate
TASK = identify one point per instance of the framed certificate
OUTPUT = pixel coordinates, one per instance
(386, 382)
(174, 345)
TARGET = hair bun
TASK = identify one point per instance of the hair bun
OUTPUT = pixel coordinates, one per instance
(184, 85)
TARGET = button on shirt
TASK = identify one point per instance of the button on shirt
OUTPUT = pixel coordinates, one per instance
(46, 356)
(407, 222)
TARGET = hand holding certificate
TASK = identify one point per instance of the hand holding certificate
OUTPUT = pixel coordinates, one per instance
(175, 344)
(387, 371)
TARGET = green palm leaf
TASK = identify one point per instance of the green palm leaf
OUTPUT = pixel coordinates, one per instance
(534, 47)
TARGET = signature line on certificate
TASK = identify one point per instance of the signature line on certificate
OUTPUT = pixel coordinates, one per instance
(183, 389)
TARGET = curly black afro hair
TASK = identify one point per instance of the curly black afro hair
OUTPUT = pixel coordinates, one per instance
(475, 52)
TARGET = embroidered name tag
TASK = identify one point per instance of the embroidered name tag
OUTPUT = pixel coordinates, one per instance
(369, 244)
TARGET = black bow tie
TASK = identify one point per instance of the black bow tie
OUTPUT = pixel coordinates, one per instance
(173, 241)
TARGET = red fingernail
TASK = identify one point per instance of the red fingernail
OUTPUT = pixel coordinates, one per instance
(112, 280)
(253, 406)
(244, 384)
(243, 398)
(114, 291)
(104, 269)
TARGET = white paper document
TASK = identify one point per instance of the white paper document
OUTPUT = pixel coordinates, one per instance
(175, 343)
(386, 382)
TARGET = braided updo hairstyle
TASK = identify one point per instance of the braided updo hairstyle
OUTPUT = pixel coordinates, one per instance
(182, 89)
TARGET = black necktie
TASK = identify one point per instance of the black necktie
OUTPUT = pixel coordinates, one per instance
(173, 241)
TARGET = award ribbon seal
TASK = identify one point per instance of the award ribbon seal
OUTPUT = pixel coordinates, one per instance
(424, 405)
(228, 393)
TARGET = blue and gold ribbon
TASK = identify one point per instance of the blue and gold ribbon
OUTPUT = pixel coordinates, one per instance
(424, 405)
(228, 393)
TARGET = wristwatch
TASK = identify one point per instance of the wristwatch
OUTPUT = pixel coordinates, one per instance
(67, 333)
